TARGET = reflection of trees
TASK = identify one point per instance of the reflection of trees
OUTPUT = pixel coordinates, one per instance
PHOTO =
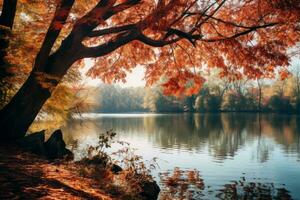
(243, 189)
(285, 131)
(229, 139)
(172, 130)
(179, 185)
(224, 134)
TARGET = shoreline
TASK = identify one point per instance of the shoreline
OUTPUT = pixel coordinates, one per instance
(24, 175)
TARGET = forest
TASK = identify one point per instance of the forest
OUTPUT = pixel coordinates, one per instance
(279, 96)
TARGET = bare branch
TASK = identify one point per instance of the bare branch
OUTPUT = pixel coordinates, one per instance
(212, 14)
(251, 29)
(188, 35)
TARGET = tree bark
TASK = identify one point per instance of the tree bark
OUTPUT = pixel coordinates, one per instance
(6, 23)
(8, 13)
(17, 116)
(19, 113)
(7, 18)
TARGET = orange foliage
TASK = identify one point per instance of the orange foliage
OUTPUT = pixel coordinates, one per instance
(176, 38)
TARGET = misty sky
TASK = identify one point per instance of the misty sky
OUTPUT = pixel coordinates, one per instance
(135, 78)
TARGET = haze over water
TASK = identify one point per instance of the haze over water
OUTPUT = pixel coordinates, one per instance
(223, 148)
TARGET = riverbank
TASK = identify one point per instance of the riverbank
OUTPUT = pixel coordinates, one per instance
(27, 176)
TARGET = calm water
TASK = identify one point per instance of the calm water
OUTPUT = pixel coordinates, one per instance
(225, 149)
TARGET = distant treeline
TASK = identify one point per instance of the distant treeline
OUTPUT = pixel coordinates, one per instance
(215, 96)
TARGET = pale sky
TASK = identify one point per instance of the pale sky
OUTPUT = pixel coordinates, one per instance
(135, 78)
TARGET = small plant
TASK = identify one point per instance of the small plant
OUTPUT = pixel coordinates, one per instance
(135, 171)
(98, 154)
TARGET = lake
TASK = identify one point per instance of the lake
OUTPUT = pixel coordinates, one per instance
(212, 156)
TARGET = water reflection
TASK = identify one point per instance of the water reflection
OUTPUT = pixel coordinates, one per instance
(188, 184)
(222, 147)
(223, 134)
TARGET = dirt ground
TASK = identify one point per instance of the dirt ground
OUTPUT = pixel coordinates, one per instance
(26, 176)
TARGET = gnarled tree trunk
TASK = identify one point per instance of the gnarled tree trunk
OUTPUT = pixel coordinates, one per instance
(6, 23)
(17, 116)
(19, 113)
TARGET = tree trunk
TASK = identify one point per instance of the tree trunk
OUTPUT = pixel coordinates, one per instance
(6, 23)
(17, 116)
(8, 13)
(19, 113)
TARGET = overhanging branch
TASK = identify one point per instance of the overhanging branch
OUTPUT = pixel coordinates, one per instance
(108, 47)
(155, 43)
(249, 30)
(111, 30)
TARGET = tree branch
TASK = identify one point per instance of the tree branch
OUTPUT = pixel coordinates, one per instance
(181, 34)
(253, 28)
(188, 35)
(111, 30)
(155, 43)
(212, 14)
(110, 46)
(123, 6)
(57, 23)
(101, 12)
(222, 21)
(94, 17)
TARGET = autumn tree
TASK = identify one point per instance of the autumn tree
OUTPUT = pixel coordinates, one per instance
(6, 23)
(170, 38)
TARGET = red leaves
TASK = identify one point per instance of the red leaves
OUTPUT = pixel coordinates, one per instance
(284, 74)
(183, 84)
(256, 54)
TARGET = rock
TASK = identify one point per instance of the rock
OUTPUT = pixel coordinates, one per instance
(56, 147)
(33, 143)
(116, 169)
(150, 190)
(68, 155)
